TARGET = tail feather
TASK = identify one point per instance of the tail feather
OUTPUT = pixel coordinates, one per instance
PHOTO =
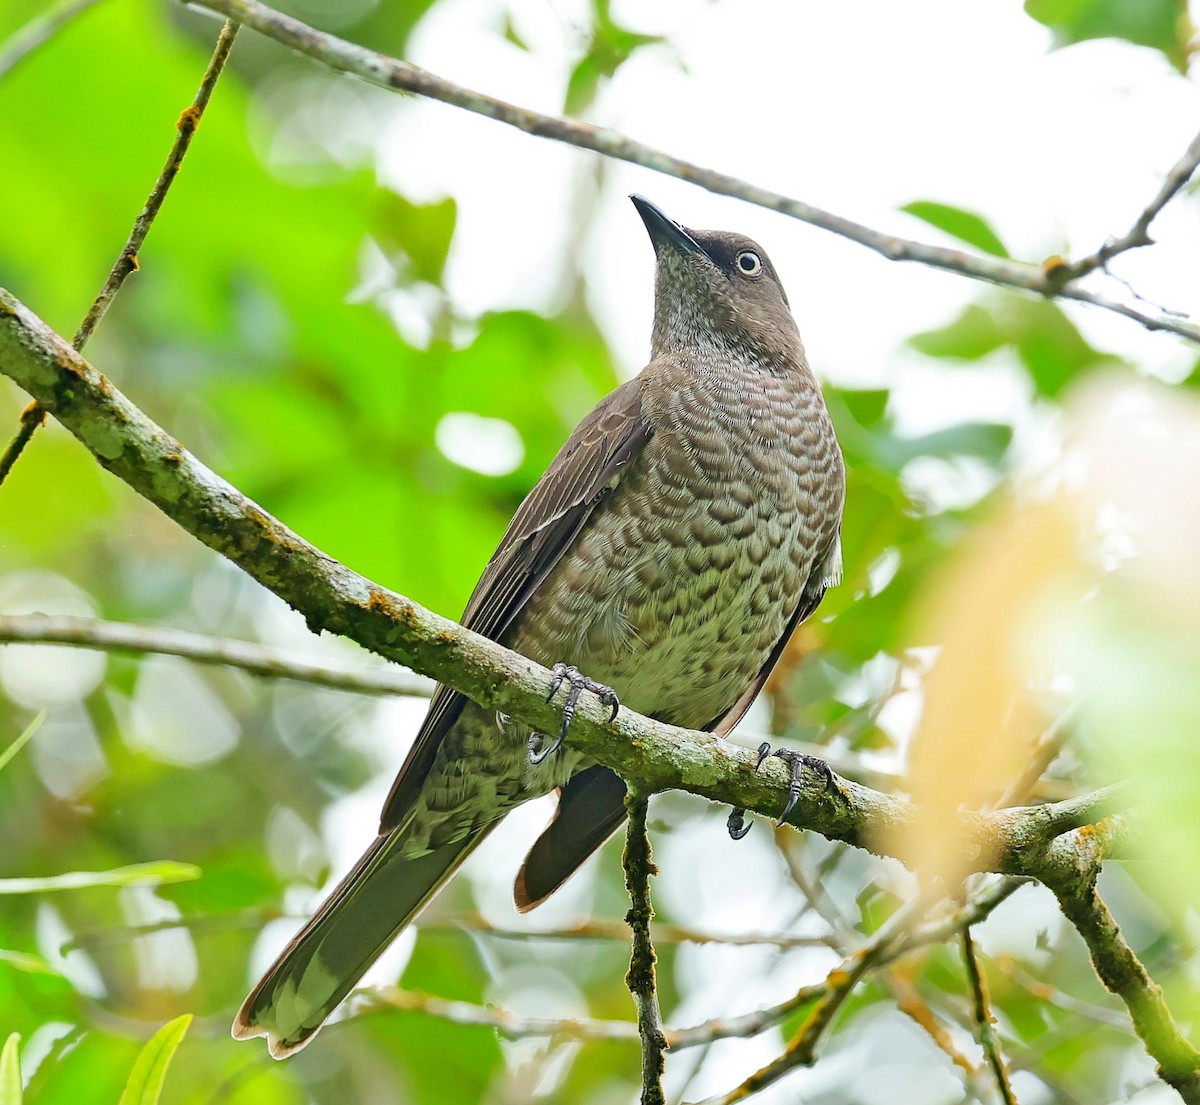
(353, 927)
(590, 807)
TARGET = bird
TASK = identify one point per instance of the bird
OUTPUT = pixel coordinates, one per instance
(687, 526)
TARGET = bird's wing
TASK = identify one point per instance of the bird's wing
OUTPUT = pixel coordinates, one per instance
(584, 471)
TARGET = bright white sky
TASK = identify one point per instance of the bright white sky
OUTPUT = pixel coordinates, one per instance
(859, 108)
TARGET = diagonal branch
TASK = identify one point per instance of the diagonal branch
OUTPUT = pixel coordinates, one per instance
(1139, 234)
(1070, 868)
(369, 679)
(878, 952)
(332, 597)
(38, 31)
(396, 75)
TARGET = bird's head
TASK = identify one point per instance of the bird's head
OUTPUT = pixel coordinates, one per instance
(713, 288)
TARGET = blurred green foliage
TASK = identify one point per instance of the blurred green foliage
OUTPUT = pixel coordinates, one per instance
(1162, 24)
(259, 333)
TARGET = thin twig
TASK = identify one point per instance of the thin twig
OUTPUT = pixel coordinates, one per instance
(698, 1035)
(638, 861)
(512, 1026)
(396, 75)
(38, 31)
(897, 936)
(1139, 234)
(592, 929)
(1059, 999)
(842, 933)
(262, 660)
(248, 656)
(801, 1049)
(127, 260)
(1041, 756)
(1032, 1059)
(984, 1023)
(601, 929)
(910, 1002)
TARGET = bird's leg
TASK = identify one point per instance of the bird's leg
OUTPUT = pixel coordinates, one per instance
(577, 683)
(797, 761)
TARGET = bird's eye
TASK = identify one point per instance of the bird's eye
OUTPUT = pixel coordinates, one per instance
(749, 263)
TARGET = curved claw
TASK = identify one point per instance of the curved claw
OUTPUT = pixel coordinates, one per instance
(736, 823)
(578, 683)
(537, 753)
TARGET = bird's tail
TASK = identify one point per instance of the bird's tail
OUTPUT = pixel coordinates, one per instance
(354, 925)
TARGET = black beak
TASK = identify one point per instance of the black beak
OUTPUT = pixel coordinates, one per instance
(662, 230)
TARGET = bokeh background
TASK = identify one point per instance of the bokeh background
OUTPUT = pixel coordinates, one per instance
(380, 317)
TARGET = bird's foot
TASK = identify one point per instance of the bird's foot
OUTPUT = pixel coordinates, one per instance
(738, 826)
(577, 683)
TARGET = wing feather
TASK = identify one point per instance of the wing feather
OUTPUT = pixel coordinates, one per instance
(586, 468)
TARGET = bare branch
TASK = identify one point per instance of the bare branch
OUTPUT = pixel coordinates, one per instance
(984, 1022)
(1139, 234)
(39, 31)
(661, 933)
(897, 936)
(262, 660)
(508, 1024)
(678, 1039)
(910, 1002)
(1041, 756)
(801, 1049)
(333, 598)
(255, 658)
(396, 75)
(590, 929)
(127, 260)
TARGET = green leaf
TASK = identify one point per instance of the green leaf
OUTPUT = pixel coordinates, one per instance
(137, 874)
(421, 232)
(865, 405)
(974, 334)
(150, 1068)
(966, 226)
(1192, 379)
(27, 962)
(10, 1071)
(987, 440)
(21, 741)
(610, 47)
(1047, 342)
(511, 34)
(1050, 345)
(1161, 24)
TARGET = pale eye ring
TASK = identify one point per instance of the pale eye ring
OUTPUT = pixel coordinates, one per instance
(749, 263)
